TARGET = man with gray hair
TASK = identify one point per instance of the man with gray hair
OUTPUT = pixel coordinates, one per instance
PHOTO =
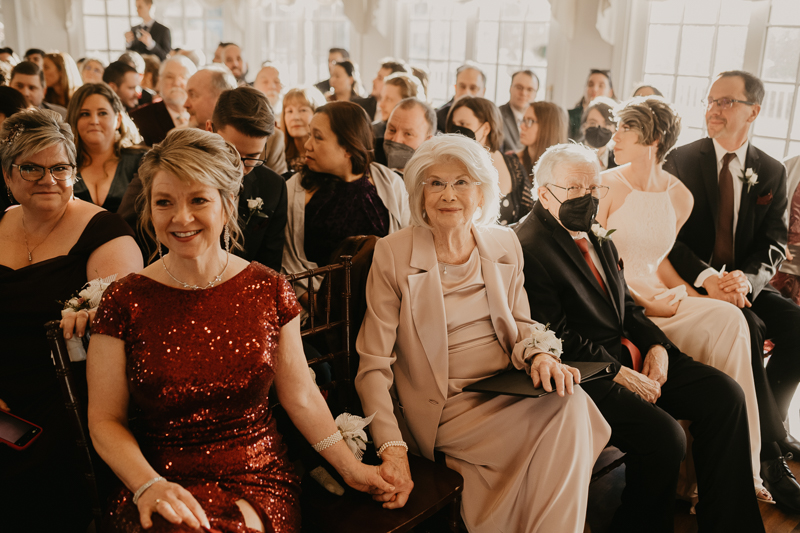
(574, 280)
(411, 123)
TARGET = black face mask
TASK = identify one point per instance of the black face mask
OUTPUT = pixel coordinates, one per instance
(397, 154)
(578, 214)
(463, 130)
(597, 136)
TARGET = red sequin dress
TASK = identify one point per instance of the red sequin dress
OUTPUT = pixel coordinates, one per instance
(199, 368)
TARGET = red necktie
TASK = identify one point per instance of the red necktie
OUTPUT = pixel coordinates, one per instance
(723, 245)
(636, 355)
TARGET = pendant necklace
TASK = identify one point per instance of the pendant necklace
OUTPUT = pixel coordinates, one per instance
(25, 235)
(197, 287)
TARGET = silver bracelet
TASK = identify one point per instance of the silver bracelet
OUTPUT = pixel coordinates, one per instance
(145, 487)
(327, 442)
(389, 444)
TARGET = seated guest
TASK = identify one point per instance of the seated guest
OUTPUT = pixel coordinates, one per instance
(388, 67)
(5, 73)
(482, 117)
(152, 64)
(646, 207)
(396, 87)
(575, 282)
(9, 56)
(35, 55)
(335, 55)
(421, 73)
(218, 52)
(203, 89)
(446, 307)
(232, 58)
(197, 56)
(268, 81)
(50, 247)
(92, 70)
(543, 125)
(297, 110)
(149, 37)
(646, 90)
(787, 280)
(598, 125)
(524, 86)
(597, 84)
(134, 59)
(11, 101)
(470, 81)
(62, 78)
(345, 82)
(156, 120)
(124, 80)
(222, 446)
(340, 192)
(411, 123)
(28, 79)
(105, 137)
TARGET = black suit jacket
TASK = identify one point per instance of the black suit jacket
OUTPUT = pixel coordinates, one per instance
(510, 129)
(153, 121)
(441, 115)
(264, 236)
(761, 228)
(324, 86)
(370, 105)
(161, 35)
(564, 293)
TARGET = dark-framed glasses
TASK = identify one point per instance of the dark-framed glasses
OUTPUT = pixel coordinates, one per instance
(460, 185)
(31, 172)
(251, 162)
(723, 103)
(528, 122)
(597, 191)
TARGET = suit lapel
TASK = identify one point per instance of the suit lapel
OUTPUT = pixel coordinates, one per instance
(744, 219)
(708, 172)
(615, 291)
(565, 240)
(498, 278)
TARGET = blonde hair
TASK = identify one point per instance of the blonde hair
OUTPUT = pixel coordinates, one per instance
(654, 119)
(29, 132)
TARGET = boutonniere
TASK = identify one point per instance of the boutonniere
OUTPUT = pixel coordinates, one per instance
(601, 233)
(749, 178)
(255, 205)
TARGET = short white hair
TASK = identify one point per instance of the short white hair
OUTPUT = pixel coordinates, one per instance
(453, 148)
(185, 62)
(573, 154)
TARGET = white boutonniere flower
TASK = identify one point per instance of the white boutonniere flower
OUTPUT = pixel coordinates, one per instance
(352, 429)
(543, 339)
(601, 233)
(255, 205)
(749, 178)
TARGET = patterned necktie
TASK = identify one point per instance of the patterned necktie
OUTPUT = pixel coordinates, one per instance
(636, 355)
(723, 245)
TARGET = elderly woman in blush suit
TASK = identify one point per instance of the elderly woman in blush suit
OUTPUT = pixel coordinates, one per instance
(447, 308)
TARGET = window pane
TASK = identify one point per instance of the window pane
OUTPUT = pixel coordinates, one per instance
(93, 7)
(667, 12)
(439, 89)
(775, 111)
(702, 12)
(735, 12)
(95, 35)
(440, 39)
(194, 33)
(117, 7)
(781, 54)
(172, 9)
(730, 48)
(773, 147)
(192, 8)
(458, 41)
(213, 36)
(662, 83)
(536, 38)
(510, 43)
(512, 12)
(696, 45)
(487, 37)
(418, 40)
(538, 11)
(662, 47)
(794, 149)
(785, 12)
(688, 93)
(117, 26)
(489, 11)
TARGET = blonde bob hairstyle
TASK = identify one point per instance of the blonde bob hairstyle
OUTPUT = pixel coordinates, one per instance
(194, 156)
(654, 119)
(26, 133)
(453, 149)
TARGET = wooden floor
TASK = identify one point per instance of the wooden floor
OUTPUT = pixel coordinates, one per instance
(604, 498)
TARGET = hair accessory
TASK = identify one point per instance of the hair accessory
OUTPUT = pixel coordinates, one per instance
(14, 133)
(144, 487)
(327, 442)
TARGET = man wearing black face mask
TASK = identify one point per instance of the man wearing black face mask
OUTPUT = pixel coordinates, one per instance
(411, 123)
(574, 280)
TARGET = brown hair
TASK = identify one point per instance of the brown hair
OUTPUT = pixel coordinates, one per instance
(485, 111)
(69, 78)
(654, 119)
(245, 109)
(408, 85)
(553, 125)
(307, 96)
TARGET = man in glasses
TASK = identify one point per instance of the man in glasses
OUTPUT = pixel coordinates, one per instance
(574, 281)
(731, 246)
(524, 86)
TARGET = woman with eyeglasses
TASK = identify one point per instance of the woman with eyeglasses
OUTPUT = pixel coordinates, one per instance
(446, 307)
(50, 246)
(544, 124)
(647, 206)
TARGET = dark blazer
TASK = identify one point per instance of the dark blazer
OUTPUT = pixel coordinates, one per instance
(761, 228)
(510, 129)
(153, 121)
(370, 105)
(161, 35)
(324, 86)
(263, 236)
(565, 294)
(441, 115)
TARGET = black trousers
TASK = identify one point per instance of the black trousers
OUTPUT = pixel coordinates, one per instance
(655, 445)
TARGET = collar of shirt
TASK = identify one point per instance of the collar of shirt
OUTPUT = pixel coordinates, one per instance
(741, 155)
(147, 26)
(179, 119)
(593, 255)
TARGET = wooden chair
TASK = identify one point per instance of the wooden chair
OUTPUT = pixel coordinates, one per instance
(435, 485)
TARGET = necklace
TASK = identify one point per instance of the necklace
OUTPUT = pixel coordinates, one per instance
(25, 235)
(198, 287)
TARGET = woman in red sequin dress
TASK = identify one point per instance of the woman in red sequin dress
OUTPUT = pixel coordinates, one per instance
(195, 341)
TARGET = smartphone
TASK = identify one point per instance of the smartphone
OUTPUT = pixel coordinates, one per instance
(16, 432)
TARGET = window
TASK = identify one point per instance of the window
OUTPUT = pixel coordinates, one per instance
(298, 36)
(192, 25)
(104, 25)
(2, 27)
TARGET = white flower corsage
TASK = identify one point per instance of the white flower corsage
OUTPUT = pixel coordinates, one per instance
(87, 299)
(255, 205)
(749, 178)
(542, 339)
(601, 233)
(352, 429)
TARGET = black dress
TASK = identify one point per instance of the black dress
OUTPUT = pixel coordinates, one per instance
(518, 202)
(42, 485)
(127, 168)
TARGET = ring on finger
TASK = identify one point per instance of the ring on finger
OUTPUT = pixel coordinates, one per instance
(158, 500)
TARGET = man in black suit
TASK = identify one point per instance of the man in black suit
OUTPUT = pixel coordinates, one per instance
(470, 80)
(575, 283)
(149, 37)
(738, 224)
(123, 79)
(524, 86)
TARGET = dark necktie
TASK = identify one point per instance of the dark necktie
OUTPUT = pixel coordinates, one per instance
(723, 245)
(636, 355)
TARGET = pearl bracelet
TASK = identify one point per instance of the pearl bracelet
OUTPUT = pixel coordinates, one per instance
(144, 487)
(327, 442)
(389, 444)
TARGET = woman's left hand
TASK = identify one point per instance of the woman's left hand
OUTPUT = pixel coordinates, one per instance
(544, 368)
(367, 478)
(77, 322)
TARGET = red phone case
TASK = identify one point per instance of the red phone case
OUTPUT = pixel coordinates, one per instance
(14, 445)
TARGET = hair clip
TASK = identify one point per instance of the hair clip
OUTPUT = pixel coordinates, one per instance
(14, 133)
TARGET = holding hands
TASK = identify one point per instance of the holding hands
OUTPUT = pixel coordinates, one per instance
(396, 471)
(647, 384)
(729, 287)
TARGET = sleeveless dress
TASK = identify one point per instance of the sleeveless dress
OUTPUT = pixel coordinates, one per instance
(48, 469)
(199, 366)
(518, 202)
(510, 450)
(710, 331)
(127, 167)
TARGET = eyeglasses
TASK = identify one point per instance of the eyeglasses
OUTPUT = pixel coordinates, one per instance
(251, 162)
(31, 172)
(459, 185)
(528, 122)
(724, 103)
(597, 191)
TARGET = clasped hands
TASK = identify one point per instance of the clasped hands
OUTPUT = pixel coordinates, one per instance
(729, 287)
(145, 37)
(649, 381)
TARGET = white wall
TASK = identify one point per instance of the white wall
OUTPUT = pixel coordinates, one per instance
(41, 24)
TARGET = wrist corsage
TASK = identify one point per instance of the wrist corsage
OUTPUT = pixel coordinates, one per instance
(601, 233)
(541, 339)
(87, 299)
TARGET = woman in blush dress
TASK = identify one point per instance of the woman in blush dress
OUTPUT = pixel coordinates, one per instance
(194, 342)
(647, 207)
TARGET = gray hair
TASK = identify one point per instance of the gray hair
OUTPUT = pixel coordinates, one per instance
(29, 132)
(458, 149)
(572, 154)
(183, 60)
(427, 110)
(222, 78)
